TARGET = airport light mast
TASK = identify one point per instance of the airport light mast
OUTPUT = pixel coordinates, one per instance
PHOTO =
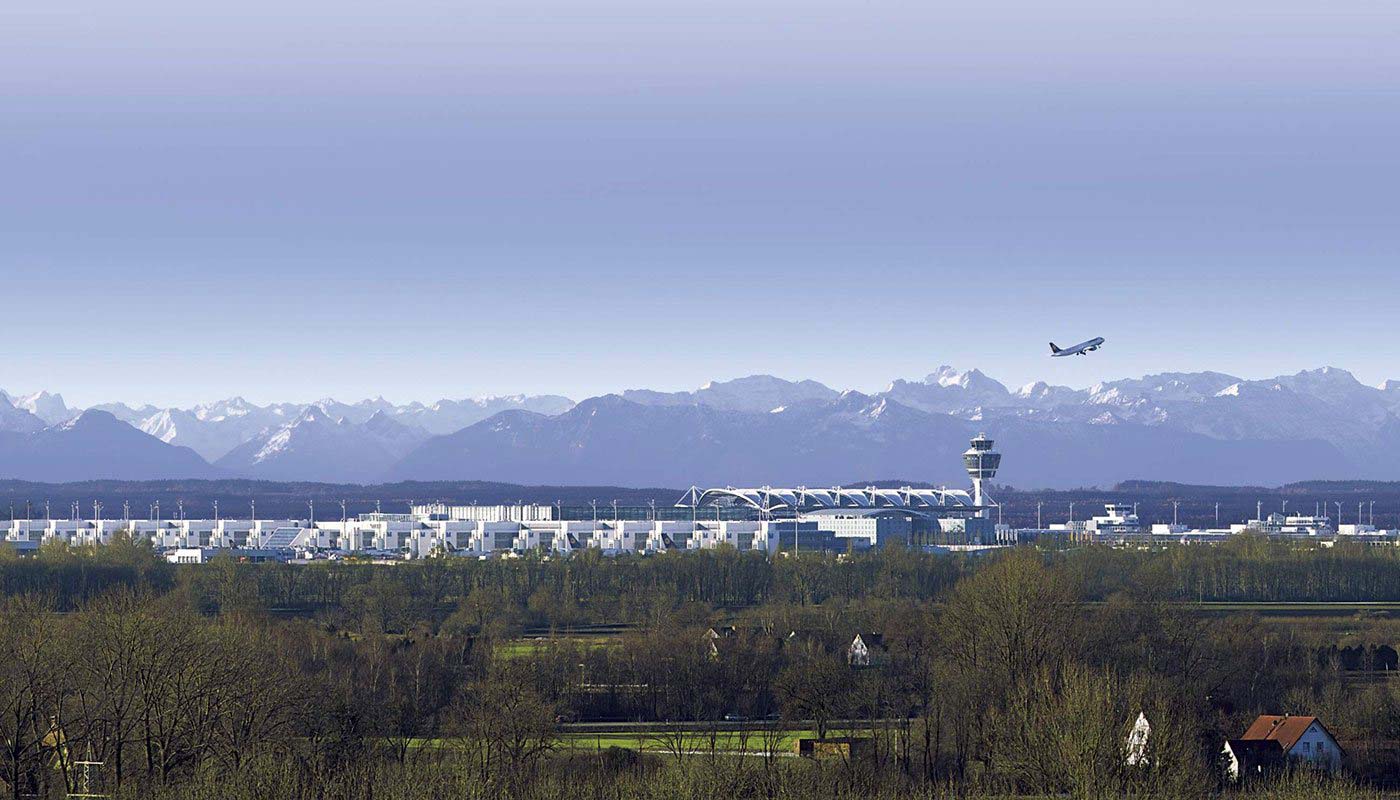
(981, 462)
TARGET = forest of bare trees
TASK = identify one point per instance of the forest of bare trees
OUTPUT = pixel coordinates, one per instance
(686, 675)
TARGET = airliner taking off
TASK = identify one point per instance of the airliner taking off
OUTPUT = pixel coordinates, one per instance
(1083, 348)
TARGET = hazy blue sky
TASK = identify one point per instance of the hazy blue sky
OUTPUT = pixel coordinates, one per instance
(287, 200)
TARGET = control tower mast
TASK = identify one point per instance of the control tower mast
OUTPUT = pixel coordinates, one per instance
(981, 462)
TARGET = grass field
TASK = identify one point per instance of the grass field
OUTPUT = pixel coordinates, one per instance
(1297, 609)
(731, 741)
(651, 742)
(526, 647)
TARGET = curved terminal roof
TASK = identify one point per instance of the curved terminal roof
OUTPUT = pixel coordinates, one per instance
(768, 499)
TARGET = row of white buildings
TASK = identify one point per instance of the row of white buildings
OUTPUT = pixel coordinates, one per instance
(1119, 524)
(487, 531)
(421, 535)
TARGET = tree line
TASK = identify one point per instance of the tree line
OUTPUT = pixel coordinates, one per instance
(590, 588)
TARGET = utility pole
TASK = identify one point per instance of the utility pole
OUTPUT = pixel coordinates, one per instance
(223, 536)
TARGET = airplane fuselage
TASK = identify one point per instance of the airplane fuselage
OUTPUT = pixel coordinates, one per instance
(1083, 348)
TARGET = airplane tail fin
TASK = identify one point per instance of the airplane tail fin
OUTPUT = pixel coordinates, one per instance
(1053, 348)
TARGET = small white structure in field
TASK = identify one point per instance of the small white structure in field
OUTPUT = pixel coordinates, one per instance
(867, 650)
(1135, 749)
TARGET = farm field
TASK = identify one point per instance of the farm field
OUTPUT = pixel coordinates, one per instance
(1315, 610)
(659, 741)
(751, 741)
(529, 646)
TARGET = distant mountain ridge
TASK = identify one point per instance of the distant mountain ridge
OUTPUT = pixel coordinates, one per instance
(214, 430)
(96, 445)
(1197, 428)
(315, 447)
(756, 393)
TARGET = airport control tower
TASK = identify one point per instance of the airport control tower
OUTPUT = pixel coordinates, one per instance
(981, 462)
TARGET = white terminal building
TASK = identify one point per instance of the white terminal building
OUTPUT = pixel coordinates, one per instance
(775, 518)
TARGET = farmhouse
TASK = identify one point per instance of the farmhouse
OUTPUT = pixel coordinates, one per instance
(1273, 740)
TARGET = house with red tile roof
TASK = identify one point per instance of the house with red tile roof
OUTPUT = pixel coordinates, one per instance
(1274, 740)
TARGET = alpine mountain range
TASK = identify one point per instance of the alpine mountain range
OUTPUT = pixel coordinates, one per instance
(1203, 427)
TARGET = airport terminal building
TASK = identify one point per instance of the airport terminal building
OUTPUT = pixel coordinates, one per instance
(764, 519)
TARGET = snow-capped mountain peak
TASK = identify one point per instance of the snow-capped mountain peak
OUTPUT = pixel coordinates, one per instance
(1041, 395)
(950, 376)
(223, 409)
(317, 445)
(315, 415)
(48, 407)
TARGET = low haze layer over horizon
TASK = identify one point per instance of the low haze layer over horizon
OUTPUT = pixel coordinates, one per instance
(288, 201)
